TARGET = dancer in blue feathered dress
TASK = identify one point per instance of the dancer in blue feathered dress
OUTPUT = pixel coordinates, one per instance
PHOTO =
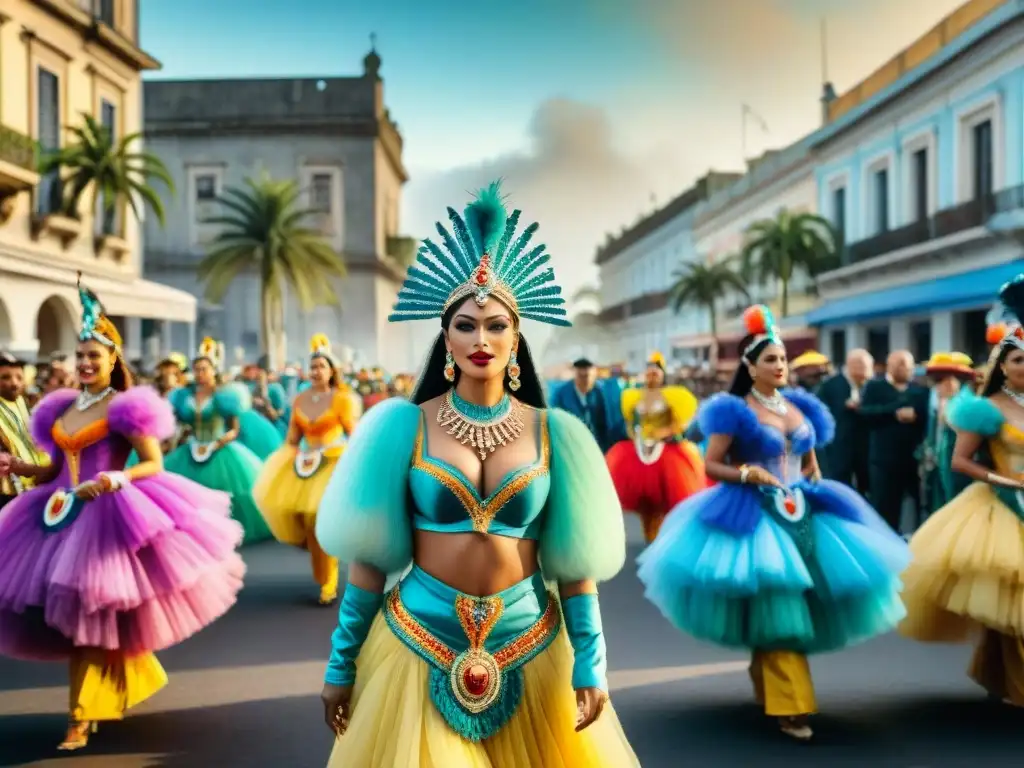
(774, 559)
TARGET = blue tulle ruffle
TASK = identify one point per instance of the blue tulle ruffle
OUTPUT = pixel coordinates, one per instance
(757, 590)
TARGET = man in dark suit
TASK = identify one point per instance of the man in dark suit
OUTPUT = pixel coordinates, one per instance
(846, 457)
(896, 409)
(588, 401)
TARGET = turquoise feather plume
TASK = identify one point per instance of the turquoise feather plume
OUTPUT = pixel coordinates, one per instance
(446, 266)
(486, 217)
(92, 310)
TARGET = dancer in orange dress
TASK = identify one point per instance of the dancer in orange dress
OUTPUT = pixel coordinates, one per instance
(656, 468)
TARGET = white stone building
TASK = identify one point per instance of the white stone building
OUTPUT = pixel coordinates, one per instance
(635, 274)
(333, 135)
(779, 180)
(921, 165)
(59, 60)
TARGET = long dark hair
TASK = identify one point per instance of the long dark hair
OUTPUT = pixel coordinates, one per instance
(332, 364)
(742, 382)
(121, 378)
(432, 382)
(995, 379)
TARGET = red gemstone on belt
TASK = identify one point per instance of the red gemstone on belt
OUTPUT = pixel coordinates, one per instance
(476, 677)
(790, 505)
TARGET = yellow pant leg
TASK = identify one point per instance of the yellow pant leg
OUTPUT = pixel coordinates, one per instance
(786, 688)
(998, 666)
(325, 567)
(106, 684)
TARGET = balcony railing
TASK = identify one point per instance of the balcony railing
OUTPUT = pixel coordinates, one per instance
(17, 149)
(949, 221)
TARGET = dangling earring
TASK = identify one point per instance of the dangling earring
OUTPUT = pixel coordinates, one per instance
(449, 367)
(513, 373)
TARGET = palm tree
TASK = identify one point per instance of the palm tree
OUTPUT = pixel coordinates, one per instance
(697, 284)
(265, 230)
(777, 248)
(114, 169)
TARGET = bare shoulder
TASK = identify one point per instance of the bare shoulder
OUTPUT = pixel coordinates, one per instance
(530, 415)
(431, 406)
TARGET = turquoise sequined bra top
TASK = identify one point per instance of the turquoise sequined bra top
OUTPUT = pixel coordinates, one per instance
(446, 501)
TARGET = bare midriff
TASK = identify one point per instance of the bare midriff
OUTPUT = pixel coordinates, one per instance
(476, 564)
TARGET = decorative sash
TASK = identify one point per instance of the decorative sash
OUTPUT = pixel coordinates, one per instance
(475, 691)
(1012, 499)
(791, 510)
(308, 462)
(61, 510)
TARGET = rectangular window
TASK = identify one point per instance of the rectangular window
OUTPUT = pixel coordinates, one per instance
(981, 151)
(919, 184)
(881, 200)
(921, 339)
(107, 222)
(839, 210)
(104, 10)
(48, 120)
(320, 193)
(205, 187)
(838, 339)
(878, 342)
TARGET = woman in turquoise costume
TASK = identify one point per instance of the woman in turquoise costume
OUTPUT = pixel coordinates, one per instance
(216, 454)
(489, 497)
(773, 559)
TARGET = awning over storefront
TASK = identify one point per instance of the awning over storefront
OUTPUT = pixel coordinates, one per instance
(963, 291)
(144, 298)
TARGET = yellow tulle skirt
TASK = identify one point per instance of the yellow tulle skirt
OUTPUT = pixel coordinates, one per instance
(288, 502)
(395, 725)
(967, 571)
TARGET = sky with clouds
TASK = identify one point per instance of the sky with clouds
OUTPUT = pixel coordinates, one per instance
(594, 111)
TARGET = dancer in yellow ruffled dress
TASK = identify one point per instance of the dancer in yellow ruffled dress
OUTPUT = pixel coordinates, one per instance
(966, 579)
(294, 478)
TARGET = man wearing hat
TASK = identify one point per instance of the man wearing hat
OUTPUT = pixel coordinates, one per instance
(948, 372)
(809, 369)
(15, 437)
(585, 399)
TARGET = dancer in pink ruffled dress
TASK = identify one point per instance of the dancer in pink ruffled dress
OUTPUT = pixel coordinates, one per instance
(99, 565)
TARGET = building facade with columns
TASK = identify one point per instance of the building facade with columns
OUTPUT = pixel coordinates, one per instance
(922, 166)
(61, 59)
(636, 270)
(779, 180)
(335, 137)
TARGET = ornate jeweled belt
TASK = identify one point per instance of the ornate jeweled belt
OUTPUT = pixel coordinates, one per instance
(308, 462)
(474, 690)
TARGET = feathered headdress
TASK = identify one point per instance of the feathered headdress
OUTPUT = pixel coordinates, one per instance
(96, 326)
(1009, 313)
(760, 324)
(320, 346)
(210, 349)
(482, 260)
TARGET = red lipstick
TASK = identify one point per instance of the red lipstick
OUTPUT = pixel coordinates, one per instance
(481, 359)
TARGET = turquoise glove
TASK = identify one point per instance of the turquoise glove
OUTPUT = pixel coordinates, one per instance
(355, 616)
(582, 615)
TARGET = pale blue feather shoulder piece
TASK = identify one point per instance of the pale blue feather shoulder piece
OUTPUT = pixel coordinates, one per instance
(584, 534)
(232, 400)
(364, 516)
(969, 413)
(482, 257)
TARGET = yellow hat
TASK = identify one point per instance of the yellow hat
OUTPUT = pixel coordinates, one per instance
(955, 363)
(657, 359)
(810, 359)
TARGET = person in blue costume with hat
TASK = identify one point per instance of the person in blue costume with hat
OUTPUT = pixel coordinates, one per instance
(482, 497)
(773, 559)
(216, 453)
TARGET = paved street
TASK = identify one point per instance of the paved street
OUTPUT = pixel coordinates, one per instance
(245, 693)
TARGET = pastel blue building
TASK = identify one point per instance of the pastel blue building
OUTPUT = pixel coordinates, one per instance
(924, 175)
